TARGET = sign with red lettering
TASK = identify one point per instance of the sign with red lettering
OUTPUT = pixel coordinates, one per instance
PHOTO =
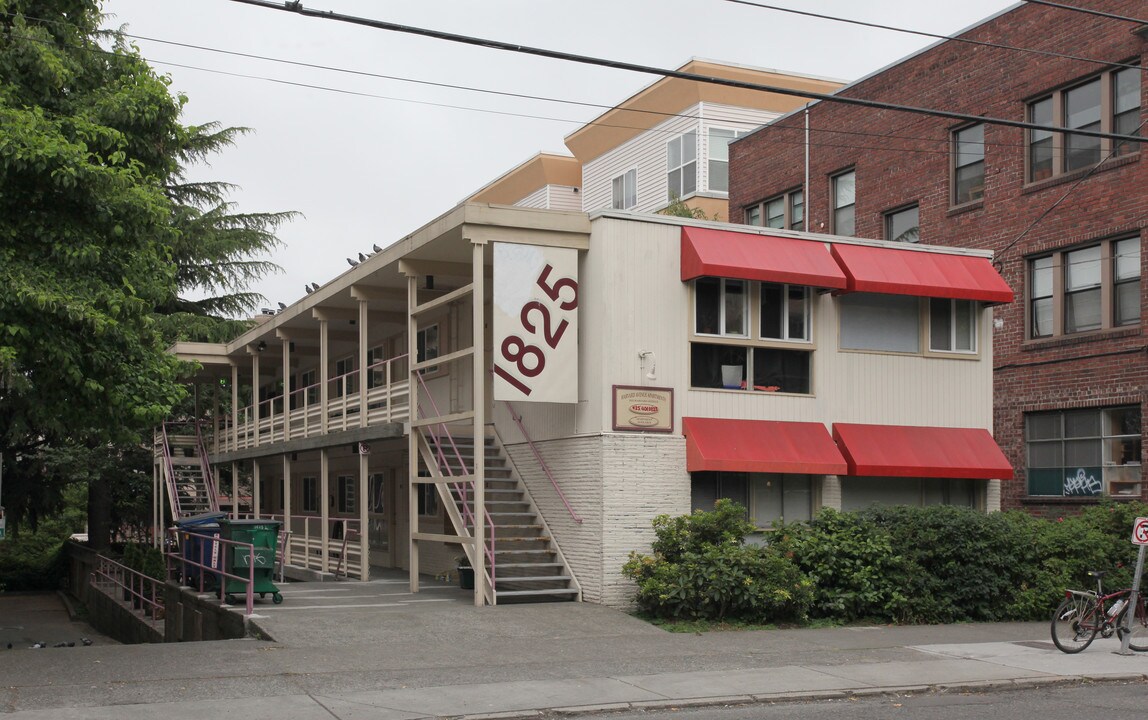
(647, 409)
(535, 350)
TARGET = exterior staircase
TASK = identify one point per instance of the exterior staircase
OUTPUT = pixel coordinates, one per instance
(186, 470)
(528, 566)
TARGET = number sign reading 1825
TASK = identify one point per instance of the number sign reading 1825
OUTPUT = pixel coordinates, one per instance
(535, 351)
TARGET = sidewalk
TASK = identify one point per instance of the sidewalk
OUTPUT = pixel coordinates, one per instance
(372, 650)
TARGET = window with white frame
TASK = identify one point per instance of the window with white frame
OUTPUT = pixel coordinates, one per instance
(427, 499)
(719, 140)
(626, 190)
(893, 323)
(1084, 288)
(426, 345)
(345, 494)
(682, 165)
(765, 361)
(376, 369)
(308, 393)
(952, 325)
(767, 497)
(310, 494)
(786, 211)
(904, 224)
(968, 164)
(1087, 452)
(1108, 102)
(346, 379)
(844, 203)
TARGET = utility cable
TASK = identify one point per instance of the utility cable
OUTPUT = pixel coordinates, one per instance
(297, 8)
(921, 33)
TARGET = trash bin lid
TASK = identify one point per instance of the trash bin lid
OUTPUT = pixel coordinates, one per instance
(209, 518)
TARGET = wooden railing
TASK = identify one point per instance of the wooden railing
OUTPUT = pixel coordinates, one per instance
(387, 397)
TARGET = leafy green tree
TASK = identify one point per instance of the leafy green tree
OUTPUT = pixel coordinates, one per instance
(103, 242)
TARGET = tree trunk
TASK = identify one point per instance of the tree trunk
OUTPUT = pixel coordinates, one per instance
(99, 513)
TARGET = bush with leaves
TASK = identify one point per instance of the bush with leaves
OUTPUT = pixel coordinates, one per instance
(701, 568)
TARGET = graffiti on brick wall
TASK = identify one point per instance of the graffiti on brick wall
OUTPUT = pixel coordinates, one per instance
(1082, 484)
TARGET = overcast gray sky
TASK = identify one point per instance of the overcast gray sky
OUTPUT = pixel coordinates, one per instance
(373, 167)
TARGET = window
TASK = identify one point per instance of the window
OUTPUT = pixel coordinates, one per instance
(889, 323)
(785, 311)
(919, 492)
(721, 307)
(1082, 289)
(968, 164)
(427, 499)
(426, 347)
(626, 190)
(310, 389)
(682, 165)
(310, 494)
(952, 325)
(786, 211)
(345, 496)
(377, 501)
(1084, 452)
(903, 225)
(766, 496)
(782, 314)
(844, 203)
(1109, 102)
(376, 368)
(346, 379)
(720, 139)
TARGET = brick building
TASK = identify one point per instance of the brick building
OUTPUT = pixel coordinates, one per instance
(1064, 213)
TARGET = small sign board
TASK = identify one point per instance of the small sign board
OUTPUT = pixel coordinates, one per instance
(1140, 531)
(643, 409)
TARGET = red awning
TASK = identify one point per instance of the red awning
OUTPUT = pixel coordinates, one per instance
(921, 273)
(760, 446)
(750, 256)
(902, 451)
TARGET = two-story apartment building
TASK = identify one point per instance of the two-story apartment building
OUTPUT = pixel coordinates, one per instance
(1064, 212)
(612, 367)
(667, 141)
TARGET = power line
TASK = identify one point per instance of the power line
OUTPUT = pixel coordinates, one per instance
(297, 8)
(1089, 11)
(951, 38)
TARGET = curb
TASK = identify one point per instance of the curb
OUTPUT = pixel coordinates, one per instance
(812, 696)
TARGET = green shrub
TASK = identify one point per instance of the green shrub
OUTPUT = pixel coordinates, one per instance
(702, 569)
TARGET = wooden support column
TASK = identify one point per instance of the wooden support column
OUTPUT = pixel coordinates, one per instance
(234, 407)
(364, 339)
(286, 390)
(255, 396)
(412, 433)
(234, 491)
(156, 503)
(286, 502)
(478, 384)
(364, 545)
(256, 491)
(215, 407)
(324, 384)
(324, 503)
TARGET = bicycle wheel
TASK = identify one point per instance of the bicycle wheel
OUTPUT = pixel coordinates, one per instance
(1075, 622)
(1138, 627)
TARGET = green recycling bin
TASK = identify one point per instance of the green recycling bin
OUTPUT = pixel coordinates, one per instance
(264, 536)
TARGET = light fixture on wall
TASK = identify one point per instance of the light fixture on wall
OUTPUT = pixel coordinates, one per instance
(261, 346)
(644, 355)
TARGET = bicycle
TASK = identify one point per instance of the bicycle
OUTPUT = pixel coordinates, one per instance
(1085, 613)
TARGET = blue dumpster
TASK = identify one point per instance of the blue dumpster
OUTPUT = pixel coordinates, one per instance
(199, 543)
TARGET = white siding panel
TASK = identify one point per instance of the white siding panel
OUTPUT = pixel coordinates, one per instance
(729, 117)
(553, 197)
(539, 199)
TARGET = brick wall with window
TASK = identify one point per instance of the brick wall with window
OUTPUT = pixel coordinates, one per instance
(1073, 338)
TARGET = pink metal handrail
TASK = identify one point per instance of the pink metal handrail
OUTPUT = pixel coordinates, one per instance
(171, 486)
(205, 465)
(216, 568)
(479, 456)
(538, 456)
(138, 589)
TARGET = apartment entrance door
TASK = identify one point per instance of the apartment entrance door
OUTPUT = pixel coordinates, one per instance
(381, 518)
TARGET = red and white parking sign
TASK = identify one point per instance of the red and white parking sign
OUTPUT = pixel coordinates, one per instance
(1140, 531)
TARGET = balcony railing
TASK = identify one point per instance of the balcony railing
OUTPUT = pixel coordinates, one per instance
(387, 399)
